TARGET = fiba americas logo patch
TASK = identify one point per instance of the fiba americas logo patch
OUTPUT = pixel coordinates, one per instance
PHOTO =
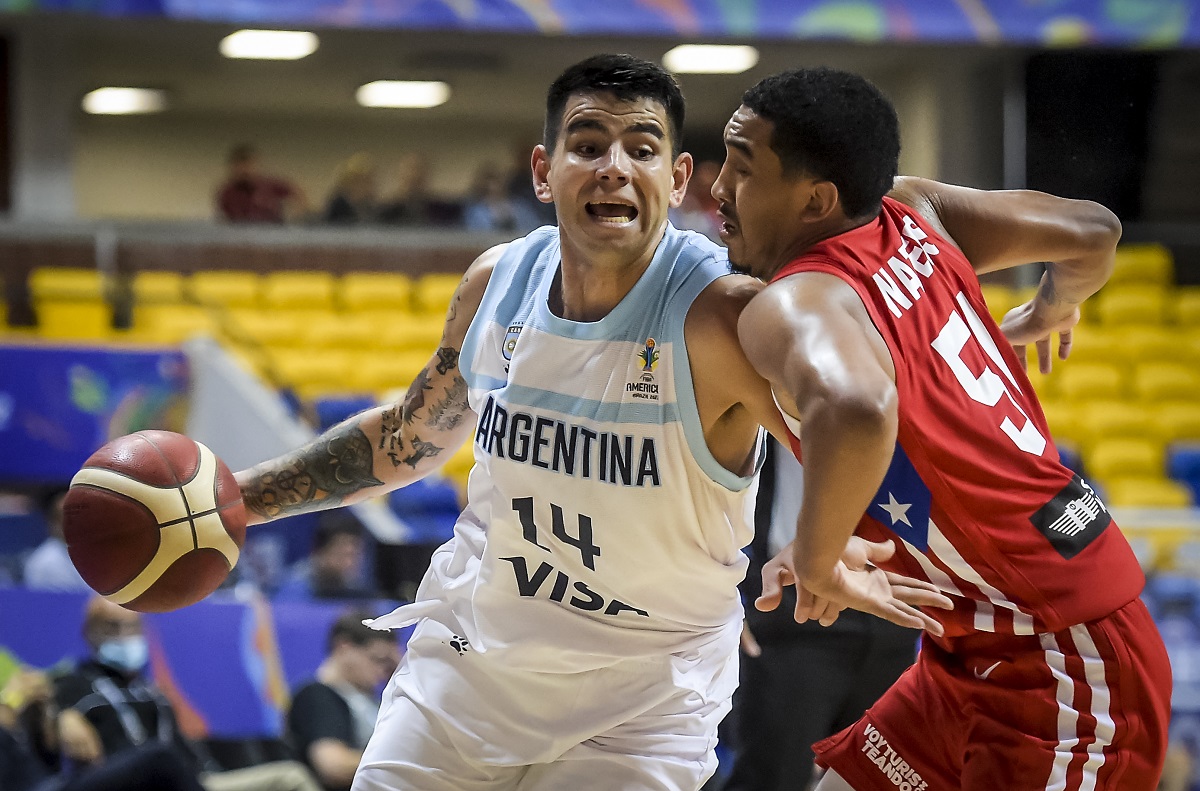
(1072, 519)
(645, 388)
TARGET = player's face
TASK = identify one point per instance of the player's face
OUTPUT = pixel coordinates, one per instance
(611, 175)
(760, 207)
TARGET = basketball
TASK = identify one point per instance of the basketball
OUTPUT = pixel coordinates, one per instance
(154, 521)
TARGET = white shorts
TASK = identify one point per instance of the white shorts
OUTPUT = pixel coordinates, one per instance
(453, 719)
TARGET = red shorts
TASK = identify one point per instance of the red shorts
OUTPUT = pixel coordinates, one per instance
(1085, 708)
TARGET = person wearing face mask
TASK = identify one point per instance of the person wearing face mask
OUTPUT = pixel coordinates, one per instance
(108, 709)
(333, 716)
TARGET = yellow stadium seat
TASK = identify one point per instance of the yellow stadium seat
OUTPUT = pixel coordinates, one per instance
(1108, 419)
(79, 320)
(298, 290)
(157, 286)
(1147, 492)
(225, 288)
(1085, 381)
(1187, 306)
(1064, 420)
(381, 371)
(375, 291)
(1000, 299)
(283, 328)
(432, 293)
(74, 285)
(1134, 304)
(1044, 385)
(413, 332)
(1167, 382)
(1126, 457)
(1148, 344)
(171, 324)
(1177, 421)
(350, 331)
(310, 372)
(1092, 343)
(1144, 264)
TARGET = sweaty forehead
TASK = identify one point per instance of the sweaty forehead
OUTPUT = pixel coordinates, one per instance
(606, 109)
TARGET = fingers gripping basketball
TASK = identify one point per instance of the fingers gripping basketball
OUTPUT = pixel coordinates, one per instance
(154, 521)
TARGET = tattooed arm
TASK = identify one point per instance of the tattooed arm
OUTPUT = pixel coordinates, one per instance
(383, 448)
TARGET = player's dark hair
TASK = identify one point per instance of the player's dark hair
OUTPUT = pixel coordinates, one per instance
(624, 76)
(834, 125)
(350, 628)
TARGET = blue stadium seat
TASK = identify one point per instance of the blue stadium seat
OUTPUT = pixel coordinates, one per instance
(430, 507)
(331, 411)
(1183, 463)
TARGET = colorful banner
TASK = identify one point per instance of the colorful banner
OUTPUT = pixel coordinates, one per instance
(1129, 23)
(58, 405)
(227, 666)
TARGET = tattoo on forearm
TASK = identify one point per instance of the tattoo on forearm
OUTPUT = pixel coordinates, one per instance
(320, 475)
(389, 429)
(448, 413)
(447, 360)
(421, 450)
(415, 399)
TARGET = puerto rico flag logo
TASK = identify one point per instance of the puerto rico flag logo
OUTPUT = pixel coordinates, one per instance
(649, 356)
(903, 502)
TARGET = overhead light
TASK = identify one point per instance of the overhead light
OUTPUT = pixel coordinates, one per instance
(710, 59)
(402, 93)
(269, 44)
(124, 101)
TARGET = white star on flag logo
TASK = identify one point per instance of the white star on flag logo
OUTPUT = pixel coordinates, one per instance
(897, 511)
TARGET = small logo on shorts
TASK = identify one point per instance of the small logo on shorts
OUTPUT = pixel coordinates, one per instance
(460, 644)
(983, 676)
(888, 761)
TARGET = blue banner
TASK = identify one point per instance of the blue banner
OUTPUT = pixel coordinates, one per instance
(58, 405)
(1128, 23)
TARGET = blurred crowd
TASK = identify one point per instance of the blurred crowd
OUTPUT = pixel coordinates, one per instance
(500, 198)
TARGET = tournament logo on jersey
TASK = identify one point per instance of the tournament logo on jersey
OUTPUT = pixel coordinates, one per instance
(1072, 519)
(645, 388)
(510, 341)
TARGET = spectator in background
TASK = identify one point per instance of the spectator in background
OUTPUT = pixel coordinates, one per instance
(698, 212)
(49, 567)
(249, 195)
(410, 204)
(108, 709)
(355, 197)
(30, 759)
(333, 715)
(779, 713)
(333, 569)
(490, 207)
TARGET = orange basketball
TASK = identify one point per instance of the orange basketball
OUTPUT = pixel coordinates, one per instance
(154, 521)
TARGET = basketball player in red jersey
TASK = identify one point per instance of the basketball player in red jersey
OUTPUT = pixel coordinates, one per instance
(918, 424)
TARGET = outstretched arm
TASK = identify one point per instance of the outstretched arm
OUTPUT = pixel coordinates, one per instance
(382, 448)
(1000, 229)
(809, 335)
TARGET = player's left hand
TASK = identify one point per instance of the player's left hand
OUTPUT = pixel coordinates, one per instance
(858, 583)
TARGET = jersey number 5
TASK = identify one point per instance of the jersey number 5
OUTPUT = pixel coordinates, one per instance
(987, 388)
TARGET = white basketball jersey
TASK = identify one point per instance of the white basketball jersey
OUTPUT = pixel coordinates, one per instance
(599, 527)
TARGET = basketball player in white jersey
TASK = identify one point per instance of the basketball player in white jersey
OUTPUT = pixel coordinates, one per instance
(580, 630)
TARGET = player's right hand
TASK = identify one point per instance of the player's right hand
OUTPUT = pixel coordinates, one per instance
(1036, 322)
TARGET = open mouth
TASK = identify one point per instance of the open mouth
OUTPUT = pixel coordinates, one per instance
(615, 213)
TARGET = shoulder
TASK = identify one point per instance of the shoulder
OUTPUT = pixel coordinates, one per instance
(315, 694)
(714, 314)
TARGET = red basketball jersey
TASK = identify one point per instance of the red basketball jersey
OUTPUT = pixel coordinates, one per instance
(975, 493)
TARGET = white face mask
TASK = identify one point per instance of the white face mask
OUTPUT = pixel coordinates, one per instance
(125, 653)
